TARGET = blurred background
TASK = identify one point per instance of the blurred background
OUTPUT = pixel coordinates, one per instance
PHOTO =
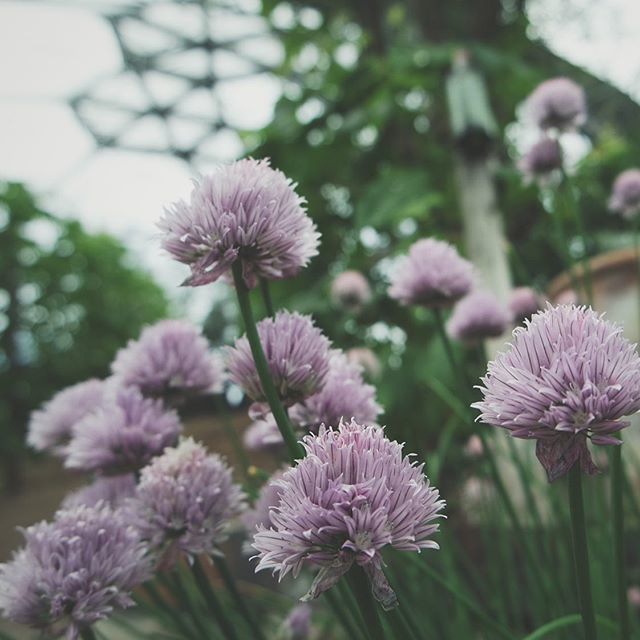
(377, 108)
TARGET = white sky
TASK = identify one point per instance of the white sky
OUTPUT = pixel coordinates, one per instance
(51, 51)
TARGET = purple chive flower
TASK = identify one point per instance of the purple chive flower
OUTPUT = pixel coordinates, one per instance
(351, 496)
(432, 275)
(171, 358)
(558, 103)
(351, 291)
(110, 490)
(541, 160)
(523, 303)
(297, 353)
(478, 316)
(123, 435)
(51, 426)
(263, 435)
(367, 359)
(260, 514)
(297, 625)
(73, 571)
(244, 211)
(568, 376)
(344, 395)
(184, 501)
(625, 197)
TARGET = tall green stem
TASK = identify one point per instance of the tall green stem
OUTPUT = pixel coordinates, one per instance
(266, 297)
(361, 588)
(262, 367)
(211, 600)
(581, 553)
(230, 584)
(86, 633)
(617, 495)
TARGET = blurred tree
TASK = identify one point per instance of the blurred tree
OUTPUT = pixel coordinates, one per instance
(68, 301)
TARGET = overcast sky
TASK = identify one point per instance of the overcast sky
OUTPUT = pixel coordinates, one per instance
(51, 51)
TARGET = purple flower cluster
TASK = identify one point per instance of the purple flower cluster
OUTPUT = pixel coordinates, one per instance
(73, 571)
(523, 303)
(170, 358)
(351, 290)
(110, 490)
(51, 426)
(184, 501)
(246, 212)
(352, 495)
(625, 197)
(478, 316)
(568, 376)
(542, 159)
(123, 435)
(297, 354)
(432, 275)
(297, 625)
(260, 514)
(559, 103)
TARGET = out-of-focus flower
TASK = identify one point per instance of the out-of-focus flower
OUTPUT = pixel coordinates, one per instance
(523, 303)
(123, 435)
(541, 160)
(625, 196)
(344, 395)
(297, 625)
(269, 497)
(352, 495)
(263, 435)
(244, 211)
(171, 358)
(184, 502)
(432, 275)
(350, 290)
(568, 375)
(558, 103)
(297, 353)
(473, 447)
(478, 316)
(633, 596)
(110, 490)
(50, 427)
(367, 359)
(73, 571)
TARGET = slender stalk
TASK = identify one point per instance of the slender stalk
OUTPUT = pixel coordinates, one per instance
(183, 595)
(230, 584)
(353, 630)
(266, 297)
(617, 495)
(162, 607)
(636, 250)
(86, 633)
(280, 415)
(361, 588)
(211, 600)
(581, 553)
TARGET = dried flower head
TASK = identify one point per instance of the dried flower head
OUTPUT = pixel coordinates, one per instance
(432, 275)
(297, 353)
(246, 212)
(344, 395)
(351, 290)
(184, 501)
(73, 571)
(625, 197)
(478, 316)
(351, 496)
(50, 427)
(523, 303)
(123, 435)
(568, 376)
(110, 490)
(558, 103)
(541, 160)
(171, 358)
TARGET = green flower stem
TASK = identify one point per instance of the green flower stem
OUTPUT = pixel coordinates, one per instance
(581, 552)
(354, 631)
(280, 415)
(361, 588)
(266, 297)
(86, 633)
(617, 495)
(230, 584)
(211, 600)
(181, 592)
(163, 608)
